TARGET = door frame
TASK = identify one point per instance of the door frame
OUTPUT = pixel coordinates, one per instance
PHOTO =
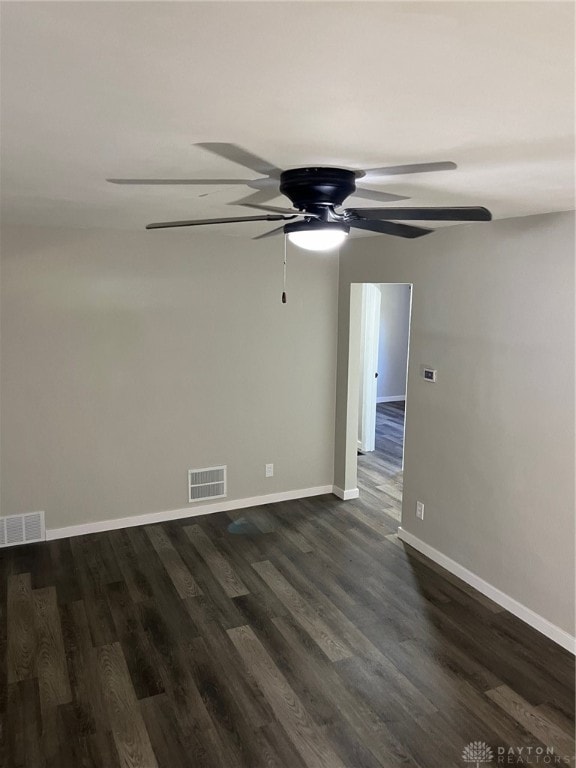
(368, 386)
(349, 455)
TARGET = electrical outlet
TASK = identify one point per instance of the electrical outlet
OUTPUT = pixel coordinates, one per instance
(269, 470)
(420, 510)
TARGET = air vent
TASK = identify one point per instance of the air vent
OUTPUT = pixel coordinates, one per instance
(209, 483)
(22, 529)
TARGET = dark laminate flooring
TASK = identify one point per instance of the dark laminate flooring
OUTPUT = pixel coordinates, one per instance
(300, 634)
(380, 471)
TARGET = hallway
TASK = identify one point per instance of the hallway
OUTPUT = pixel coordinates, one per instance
(380, 472)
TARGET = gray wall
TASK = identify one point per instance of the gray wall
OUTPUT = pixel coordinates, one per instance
(489, 447)
(128, 358)
(393, 341)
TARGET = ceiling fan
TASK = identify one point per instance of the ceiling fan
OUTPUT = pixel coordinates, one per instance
(317, 221)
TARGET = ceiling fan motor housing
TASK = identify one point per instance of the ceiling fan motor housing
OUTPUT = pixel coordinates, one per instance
(314, 225)
(309, 187)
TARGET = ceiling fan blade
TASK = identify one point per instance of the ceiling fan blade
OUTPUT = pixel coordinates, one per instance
(398, 170)
(241, 156)
(285, 211)
(377, 196)
(180, 181)
(390, 228)
(262, 196)
(465, 213)
(271, 233)
(200, 222)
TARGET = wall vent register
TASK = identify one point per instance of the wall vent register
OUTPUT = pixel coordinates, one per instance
(22, 529)
(207, 483)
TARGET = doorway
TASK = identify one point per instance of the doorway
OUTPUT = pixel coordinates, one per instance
(384, 334)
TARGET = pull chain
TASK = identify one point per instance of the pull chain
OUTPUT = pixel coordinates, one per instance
(284, 283)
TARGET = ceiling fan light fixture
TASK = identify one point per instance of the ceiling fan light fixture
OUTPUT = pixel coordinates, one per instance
(316, 235)
(317, 194)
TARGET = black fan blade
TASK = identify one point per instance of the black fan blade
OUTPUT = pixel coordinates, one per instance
(464, 213)
(200, 222)
(241, 156)
(390, 228)
(274, 209)
(271, 233)
(399, 170)
(377, 196)
(180, 181)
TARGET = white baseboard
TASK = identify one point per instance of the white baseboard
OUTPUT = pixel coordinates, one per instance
(353, 493)
(395, 399)
(524, 613)
(176, 514)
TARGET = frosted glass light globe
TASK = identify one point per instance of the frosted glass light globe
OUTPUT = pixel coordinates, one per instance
(318, 239)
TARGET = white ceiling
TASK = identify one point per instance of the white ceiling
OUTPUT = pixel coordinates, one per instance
(106, 89)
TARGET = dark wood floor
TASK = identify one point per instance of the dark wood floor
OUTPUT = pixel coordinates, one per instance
(380, 471)
(301, 634)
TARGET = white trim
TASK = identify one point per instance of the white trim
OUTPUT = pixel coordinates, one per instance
(524, 613)
(395, 399)
(353, 493)
(176, 514)
(369, 336)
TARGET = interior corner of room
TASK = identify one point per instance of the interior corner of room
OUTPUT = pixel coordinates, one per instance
(481, 438)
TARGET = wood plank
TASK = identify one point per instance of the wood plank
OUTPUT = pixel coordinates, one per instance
(240, 737)
(175, 745)
(23, 734)
(126, 722)
(63, 573)
(82, 669)
(171, 657)
(132, 567)
(535, 722)
(21, 635)
(92, 584)
(241, 686)
(103, 748)
(180, 575)
(310, 742)
(281, 752)
(304, 614)
(135, 644)
(13, 729)
(216, 562)
(378, 662)
(297, 539)
(327, 679)
(75, 744)
(375, 522)
(549, 712)
(53, 679)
